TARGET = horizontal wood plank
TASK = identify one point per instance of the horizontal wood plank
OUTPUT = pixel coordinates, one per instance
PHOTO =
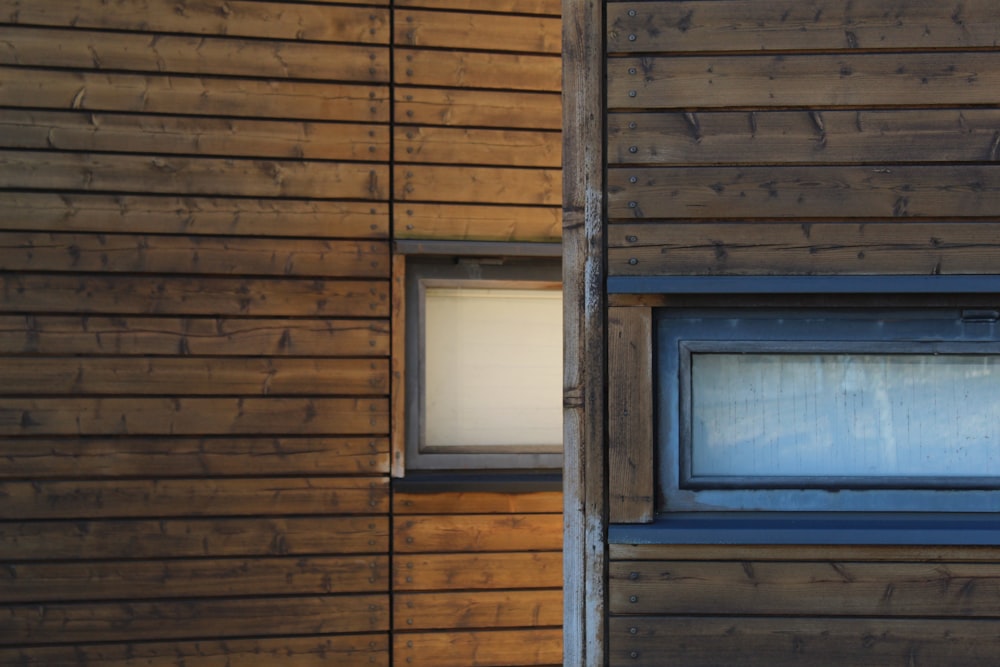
(138, 214)
(885, 191)
(832, 588)
(509, 148)
(493, 32)
(486, 648)
(551, 7)
(478, 571)
(477, 108)
(246, 617)
(193, 416)
(478, 222)
(172, 456)
(193, 95)
(902, 79)
(781, 641)
(96, 172)
(193, 497)
(194, 538)
(824, 553)
(807, 248)
(132, 253)
(481, 185)
(182, 54)
(473, 69)
(541, 502)
(472, 610)
(804, 137)
(743, 25)
(364, 650)
(183, 295)
(476, 533)
(201, 578)
(174, 336)
(110, 132)
(236, 18)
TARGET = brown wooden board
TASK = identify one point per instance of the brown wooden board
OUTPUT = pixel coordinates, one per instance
(96, 172)
(630, 415)
(473, 69)
(804, 137)
(397, 369)
(137, 214)
(187, 295)
(744, 25)
(189, 619)
(824, 553)
(173, 456)
(821, 80)
(477, 571)
(507, 148)
(205, 577)
(492, 32)
(478, 108)
(363, 650)
(34, 499)
(485, 648)
(130, 253)
(182, 54)
(465, 222)
(476, 533)
(472, 502)
(551, 7)
(82, 131)
(831, 588)
(193, 416)
(782, 641)
(195, 538)
(80, 336)
(194, 95)
(883, 191)
(928, 248)
(236, 18)
(482, 185)
(483, 610)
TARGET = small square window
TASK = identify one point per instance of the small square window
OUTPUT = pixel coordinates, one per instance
(829, 410)
(484, 364)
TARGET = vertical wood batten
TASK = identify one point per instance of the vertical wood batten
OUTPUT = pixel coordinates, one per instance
(583, 287)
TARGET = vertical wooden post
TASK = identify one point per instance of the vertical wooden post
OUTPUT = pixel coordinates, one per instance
(585, 535)
(397, 324)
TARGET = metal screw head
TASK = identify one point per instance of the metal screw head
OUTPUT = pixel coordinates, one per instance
(631, 93)
(633, 204)
(632, 239)
(633, 598)
(634, 654)
(633, 261)
(633, 630)
(633, 179)
(632, 125)
(632, 70)
(631, 38)
(633, 149)
(631, 12)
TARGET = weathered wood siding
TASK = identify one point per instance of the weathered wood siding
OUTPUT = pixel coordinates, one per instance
(194, 300)
(790, 138)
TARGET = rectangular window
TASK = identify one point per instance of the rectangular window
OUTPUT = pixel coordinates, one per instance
(484, 364)
(787, 410)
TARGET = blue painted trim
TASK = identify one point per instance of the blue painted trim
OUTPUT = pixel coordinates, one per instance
(971, 284)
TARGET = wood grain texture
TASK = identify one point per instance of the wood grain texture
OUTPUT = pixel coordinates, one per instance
(927, 248)
(743, 25)
(54, 335)
(473, 502)
(194, 538)
(485, 648)
(476, 533)
(462, 31)
(397, 368)
(193, 497)
(509, 148)
(203, 95)
(478, 108)
(174, 456)
(478, 571)
(550, 7)
(363, 650)
(200, 577)
(780, 641)
(473, 69)
(473, 222)
(472, 610)
(138, 214)
(481, 185)
(236, 18)
(825, 553)
(630, 415)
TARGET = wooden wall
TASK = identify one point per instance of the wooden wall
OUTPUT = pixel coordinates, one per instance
(791, 138)
(196, 210)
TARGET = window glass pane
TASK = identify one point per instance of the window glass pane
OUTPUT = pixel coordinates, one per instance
(886, 415)
(493, 367)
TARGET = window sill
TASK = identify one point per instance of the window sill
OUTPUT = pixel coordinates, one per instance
(478, 482)
(814, 528)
